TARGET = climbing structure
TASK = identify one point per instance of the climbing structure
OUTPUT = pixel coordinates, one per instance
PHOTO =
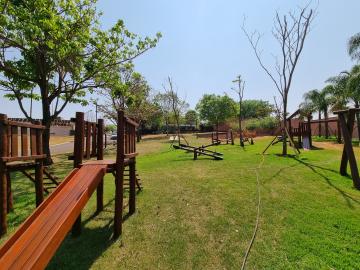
(36, 241)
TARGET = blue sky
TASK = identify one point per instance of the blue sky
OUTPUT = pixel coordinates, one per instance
(203, 47)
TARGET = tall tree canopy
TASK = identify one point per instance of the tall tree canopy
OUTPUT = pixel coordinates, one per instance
(319, 101)
(354, 47)
(55, 51)
(191, 117)
(216, 109)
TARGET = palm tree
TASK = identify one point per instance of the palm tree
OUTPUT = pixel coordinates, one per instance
(354, 47)
(345, 89)
(320, 101)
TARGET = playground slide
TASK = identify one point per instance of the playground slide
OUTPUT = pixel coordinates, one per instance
(36, 241)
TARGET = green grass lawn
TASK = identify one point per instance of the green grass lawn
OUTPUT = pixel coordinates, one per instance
(201, 214)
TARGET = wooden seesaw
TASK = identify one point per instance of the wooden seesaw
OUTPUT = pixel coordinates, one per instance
(201, 150)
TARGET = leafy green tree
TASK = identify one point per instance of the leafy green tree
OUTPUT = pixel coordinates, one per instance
(178, 106)
(253, 108)
(319, 101)
(55, 51)
(163, 103)
(354, 47)
(216, 109)
(191, 117)
(130, 93)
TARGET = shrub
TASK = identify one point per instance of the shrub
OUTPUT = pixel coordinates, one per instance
(263, 123)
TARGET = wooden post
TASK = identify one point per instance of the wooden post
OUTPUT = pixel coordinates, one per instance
(338, 131)
(132, 186)
(348, 146)
(119, 177)
(100, 156)
(232, 137)
(88, 139)
(94, 137)
(309, 130)
(195, 154)
(3, 180)
(9, 192)
(78, 158)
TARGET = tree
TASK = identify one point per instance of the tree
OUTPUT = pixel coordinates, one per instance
(216, 109)
(253, 108)
(345, 88)
(354, 47)
(319, 101)
(191, 117)
(290, 31)
(178, 106)
(163, 102)
(130, 93)
(240, 93)
(56, 52)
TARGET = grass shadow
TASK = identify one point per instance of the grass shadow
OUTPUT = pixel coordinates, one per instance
(345, 195)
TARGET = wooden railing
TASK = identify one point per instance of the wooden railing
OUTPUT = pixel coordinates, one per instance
(19, 141)
(29, 147)
(89, 139)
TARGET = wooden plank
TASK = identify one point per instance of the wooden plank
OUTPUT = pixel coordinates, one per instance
(3, 174)
(33, 141)
(14, 141)
(88, 139)
(132, 192)
(24, 142)
(100, 156)
(94, 137)
(10, 159)
(25, 125)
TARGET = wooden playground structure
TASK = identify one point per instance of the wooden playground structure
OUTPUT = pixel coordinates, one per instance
(222, 137)
(37, 239)
(346, 119)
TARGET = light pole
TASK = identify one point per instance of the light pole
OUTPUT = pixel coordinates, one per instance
(240, 92)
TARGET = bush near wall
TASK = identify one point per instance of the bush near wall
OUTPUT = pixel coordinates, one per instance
(263, 123)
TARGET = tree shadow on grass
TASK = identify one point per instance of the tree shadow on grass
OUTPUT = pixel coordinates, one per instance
(81, 252)
(345, 195)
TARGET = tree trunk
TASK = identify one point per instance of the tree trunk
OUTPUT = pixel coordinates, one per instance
(46, 121)
(46, 133)
(284, 150)
(240, 126)
(357, 120)
(138, 134)
(326, 124)
(319, 125)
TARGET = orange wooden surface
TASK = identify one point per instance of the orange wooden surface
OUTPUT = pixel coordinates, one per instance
(34, 244)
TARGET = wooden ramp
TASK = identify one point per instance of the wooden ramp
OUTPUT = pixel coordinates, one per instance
(38, 238)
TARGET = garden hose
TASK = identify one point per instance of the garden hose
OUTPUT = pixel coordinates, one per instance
(257, 215)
